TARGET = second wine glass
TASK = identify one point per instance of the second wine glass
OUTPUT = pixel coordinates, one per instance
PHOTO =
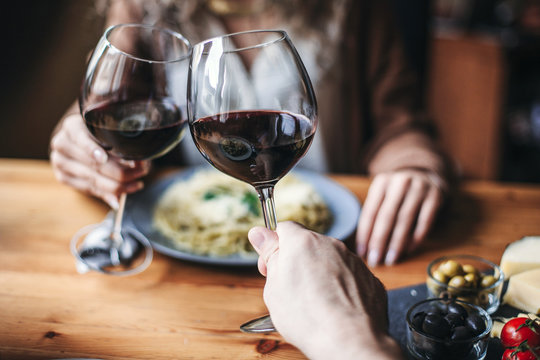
(252, 113)
(133, 101)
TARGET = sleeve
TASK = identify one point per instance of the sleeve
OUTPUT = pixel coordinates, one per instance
(403, 136)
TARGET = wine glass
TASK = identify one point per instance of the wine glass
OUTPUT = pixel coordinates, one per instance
(252, 113)
(133, 101)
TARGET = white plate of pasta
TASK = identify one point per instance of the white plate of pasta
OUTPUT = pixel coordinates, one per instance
(201, 215)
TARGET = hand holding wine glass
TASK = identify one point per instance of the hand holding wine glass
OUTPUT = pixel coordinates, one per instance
(133, 104)
(78, 161)
(252, 112)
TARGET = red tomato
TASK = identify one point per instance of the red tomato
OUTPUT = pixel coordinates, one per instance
(512, 354)
(518, 330)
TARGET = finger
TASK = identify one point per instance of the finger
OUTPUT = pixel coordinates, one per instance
(291, 234)
(403, 229)
(93, 181)
(64, 169)
(86, 179)
(426, 216)
(386, 218)
(118, 172)
(79, 135)
(112, 168)
(265, 242)
(110, 198)
(64, 145)
(371, 206)
(75, 141)
(61, 142)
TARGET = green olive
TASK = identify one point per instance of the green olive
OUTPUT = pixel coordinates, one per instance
(471, 279)
(451, 268)
(484, 298)
(440, 276)
(457, 281)
(433, 287)
(487, 281)
(469, 269)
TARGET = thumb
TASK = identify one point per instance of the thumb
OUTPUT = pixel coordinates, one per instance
(266, 243)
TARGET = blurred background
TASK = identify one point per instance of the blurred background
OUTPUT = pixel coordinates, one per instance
(478, 61)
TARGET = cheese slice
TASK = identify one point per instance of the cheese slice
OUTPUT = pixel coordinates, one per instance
(521, 255)
(524, 291)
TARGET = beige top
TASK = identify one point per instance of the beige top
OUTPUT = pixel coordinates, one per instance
(370, 120)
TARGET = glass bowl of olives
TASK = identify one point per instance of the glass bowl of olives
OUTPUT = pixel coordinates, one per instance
(447, 329)
(468, 278)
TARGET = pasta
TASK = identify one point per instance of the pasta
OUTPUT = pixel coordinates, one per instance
(211, 213)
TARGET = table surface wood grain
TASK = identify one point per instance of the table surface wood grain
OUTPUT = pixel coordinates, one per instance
(176, 309)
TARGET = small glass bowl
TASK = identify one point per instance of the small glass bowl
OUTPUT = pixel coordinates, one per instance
(481, 287)
(422, 346)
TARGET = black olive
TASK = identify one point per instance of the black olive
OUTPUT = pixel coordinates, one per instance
(476, 324)
(435, 325)
(461, 333)
(430, 349)
(418, 320)
(455, 308)
(459, 350)
(454, 320)
(440, 308)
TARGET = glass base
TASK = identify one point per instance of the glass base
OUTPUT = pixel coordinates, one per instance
(93, 249)
(260, 325)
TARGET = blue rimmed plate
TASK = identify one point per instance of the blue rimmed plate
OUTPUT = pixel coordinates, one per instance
(343, 205)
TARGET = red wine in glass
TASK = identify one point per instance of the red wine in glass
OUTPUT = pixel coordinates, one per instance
(136, 130)
(258, 147)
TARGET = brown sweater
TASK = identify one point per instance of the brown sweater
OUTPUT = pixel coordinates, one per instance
(382, 127)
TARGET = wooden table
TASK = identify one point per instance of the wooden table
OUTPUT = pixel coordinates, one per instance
(177, 309)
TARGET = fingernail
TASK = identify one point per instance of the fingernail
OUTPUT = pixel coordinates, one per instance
(361, 250)
(127, 163)
(391, 257)
(100, 156)
(136, 186)
(146, 166)
(130, 163)
(256, 238)
(373, 258)
(112, 201)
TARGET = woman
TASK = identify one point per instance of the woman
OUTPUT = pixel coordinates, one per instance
(370, 118)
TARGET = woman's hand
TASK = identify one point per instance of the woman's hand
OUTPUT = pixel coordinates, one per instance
(397, 214)
(321, 297)
(78, 161)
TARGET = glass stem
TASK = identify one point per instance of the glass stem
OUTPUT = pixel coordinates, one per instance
(266, 196)
(116, 235)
